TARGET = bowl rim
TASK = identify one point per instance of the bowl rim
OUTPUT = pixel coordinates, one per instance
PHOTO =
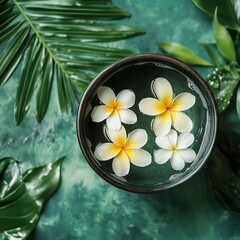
(184, 68)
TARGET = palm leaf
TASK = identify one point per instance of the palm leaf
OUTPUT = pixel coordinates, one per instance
(54, 41)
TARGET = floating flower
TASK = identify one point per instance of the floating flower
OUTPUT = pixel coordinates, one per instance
(114, 109)
(168, 110)
(124, 150)
(175, 148)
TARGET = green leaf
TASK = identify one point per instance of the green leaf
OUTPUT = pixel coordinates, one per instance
(88, 50)
(28, 81)
(13, 54)
(216, 59)
(183, 53)
(87, 31)
(24, 196)
(223, 83)
(60, 30)
(4, 163)
(225, 171)
(6, 11)
(223, 40)
(10, 18)
(10, 31)
(44, 91)
(228, 11)
(238, 102)
(85, 12)
(63, 98)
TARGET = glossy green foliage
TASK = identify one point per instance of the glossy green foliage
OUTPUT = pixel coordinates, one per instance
(228, 11)
(183, 53)
(22, 196)
(238, 102)
(225, 171)
(225, 77)
(223, 80)
(223, 83)
(223, 40)
(214, 55)
(54, 42)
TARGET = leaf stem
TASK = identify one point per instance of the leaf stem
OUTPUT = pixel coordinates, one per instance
(41, 39)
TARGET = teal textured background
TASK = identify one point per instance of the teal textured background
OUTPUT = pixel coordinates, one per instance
(85, 206)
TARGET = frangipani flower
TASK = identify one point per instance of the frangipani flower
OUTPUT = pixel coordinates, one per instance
(175, 148)
(168, 110)
(114, 109)
(124, 149)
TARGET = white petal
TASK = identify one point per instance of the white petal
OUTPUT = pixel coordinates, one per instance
(177, 161)
(168, 141)
(172, 136)
(113, 121)
(185, 140)
(187, 154)
(106, 151)
(162, 124)
(127, 116)
(161, 156)
(137, 139)
(181, 122)
(121, 164)
(119, 138)
(183, 102)
(126, 98)
(106, 95)
(151, 106)
(139, 157)
(163, 90)
(100, 113)
(163, 142)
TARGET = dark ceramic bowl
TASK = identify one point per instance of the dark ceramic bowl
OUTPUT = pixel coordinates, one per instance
(137, 73)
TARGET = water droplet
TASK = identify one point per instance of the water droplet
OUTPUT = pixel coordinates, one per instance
(214, 84)
(191, 86)
(31, 221)
(151, 124)
(159, 65)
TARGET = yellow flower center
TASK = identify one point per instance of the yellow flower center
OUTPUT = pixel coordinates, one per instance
(121, 142)
(124, 144)
(173, 148)
(115, 104)
(167, 100)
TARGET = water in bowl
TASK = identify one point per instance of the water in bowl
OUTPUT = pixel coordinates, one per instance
(138, 77)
